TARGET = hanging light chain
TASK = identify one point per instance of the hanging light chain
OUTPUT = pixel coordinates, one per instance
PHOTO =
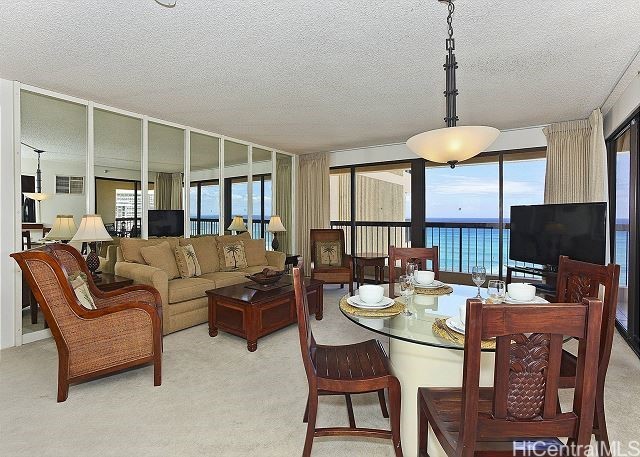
(450, 67)
(452, 8)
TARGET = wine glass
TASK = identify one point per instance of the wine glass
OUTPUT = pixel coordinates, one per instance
(407, 290)
(479, 276)
(497, 291)
(412, 266)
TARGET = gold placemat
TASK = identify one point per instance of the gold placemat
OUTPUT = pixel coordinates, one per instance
(440, 329)
(391, 311)
(443, 290)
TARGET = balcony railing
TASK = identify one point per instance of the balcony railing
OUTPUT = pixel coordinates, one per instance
(125, 227)
(204, 226)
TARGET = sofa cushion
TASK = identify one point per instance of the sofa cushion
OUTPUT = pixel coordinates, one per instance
(161, 256)
(256, 252)
(232, 255)
(226, 238)
(206, 251)
(187, 261)
(182, 289)
(226, 278)
(130, 247)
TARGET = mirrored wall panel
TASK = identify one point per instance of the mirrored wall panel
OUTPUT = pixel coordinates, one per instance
(261, 194)
(204, 191)
(284, 200)
(236, 190)
(53, 157)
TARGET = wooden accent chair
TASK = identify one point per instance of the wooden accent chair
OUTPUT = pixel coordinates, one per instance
(577, 281)
(335, 274)
(422, 255)
(124, 331)
(522, 405)
(344, 370)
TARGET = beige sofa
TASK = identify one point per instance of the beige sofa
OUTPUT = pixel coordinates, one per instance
(184, 301)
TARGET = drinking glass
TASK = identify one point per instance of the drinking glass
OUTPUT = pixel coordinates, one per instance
(412, 267)
(407, 290)
(479, 276)
(497, 291)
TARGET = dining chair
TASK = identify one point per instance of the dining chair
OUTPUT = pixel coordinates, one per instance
(577, 281)
(421, 255)
(520, 413)
(331, 274)
(344, 370)
(124, 330)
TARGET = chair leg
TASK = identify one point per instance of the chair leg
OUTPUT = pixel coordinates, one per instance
(305, 418)
(383, 404)
(423, 430)
(352, 419)
(157, 371)
(351, 289)
(394, 404)
(342, 286)
(600, 424)
(311, 424)
(63, 389)
(33, 306)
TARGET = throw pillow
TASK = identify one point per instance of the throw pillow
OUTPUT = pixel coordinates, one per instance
(232, 256)
(161, 256)
(206, 251)
(328, 254)
(79, 283)
(256, 252)
(187, 261)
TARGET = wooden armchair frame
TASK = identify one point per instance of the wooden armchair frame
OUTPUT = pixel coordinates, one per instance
(337, 275)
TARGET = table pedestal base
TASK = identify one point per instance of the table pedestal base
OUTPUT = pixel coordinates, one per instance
(416, 366)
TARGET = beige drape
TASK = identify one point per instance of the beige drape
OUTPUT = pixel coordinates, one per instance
(168, 191)
(313, 200)
(284, 199)
(576, 161)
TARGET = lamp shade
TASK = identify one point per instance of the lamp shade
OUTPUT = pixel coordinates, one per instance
(275, 225)
(452, 144)
(91, 229)
(237, 224)
(64, 228)
(37, 196)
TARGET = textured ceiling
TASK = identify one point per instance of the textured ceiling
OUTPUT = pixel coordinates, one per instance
(309, 75)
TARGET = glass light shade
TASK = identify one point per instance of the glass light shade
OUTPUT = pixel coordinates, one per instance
(91, 229)
(275, 225)
(64, 228)
(452, 144)
(37, 196)
(237, 224)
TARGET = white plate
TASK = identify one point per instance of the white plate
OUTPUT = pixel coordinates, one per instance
(536, 301)
(384, 303)
(455, 324)
(434, 285)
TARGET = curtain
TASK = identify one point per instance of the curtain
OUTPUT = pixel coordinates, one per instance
(168, 191)
(284, 199)
(313, 200)
(576, 161)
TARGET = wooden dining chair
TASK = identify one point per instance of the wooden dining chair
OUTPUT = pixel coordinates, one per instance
(577, 281)
(421, 255)
(344, 370)
(521, 409)
(342, 273)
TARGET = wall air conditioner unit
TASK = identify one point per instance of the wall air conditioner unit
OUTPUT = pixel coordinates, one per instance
(70, 185)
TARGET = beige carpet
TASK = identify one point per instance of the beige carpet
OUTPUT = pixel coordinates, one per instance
(216, 399)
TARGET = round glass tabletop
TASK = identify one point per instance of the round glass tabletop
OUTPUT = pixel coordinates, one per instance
(425, 309)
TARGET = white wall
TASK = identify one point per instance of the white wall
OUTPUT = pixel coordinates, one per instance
(628, 102)
(8, 270)
(531, 137)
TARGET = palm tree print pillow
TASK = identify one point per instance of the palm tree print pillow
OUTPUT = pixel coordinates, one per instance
(232, 256)
(328, 254)
(187, 261)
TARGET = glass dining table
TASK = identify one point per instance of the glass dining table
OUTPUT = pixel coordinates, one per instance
(421, 358)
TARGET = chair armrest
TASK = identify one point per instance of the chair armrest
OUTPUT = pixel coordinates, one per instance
(348, 262)
(130, 294)
(147, 275)
(276, 259)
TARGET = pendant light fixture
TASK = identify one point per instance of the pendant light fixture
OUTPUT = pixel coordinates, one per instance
(453, 143)
(38, 195)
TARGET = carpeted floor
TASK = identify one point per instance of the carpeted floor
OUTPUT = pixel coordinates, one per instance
(216, 399)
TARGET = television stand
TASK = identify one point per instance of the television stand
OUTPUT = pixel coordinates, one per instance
(548, 274)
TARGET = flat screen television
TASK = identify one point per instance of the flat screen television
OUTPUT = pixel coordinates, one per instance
(542, 233)
(166, 222)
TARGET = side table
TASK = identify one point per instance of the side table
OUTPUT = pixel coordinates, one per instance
(369, 259)
(107, 282)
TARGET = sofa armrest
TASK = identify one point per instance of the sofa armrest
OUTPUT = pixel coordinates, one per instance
(108, 263)
(145, 274)
(276, 259)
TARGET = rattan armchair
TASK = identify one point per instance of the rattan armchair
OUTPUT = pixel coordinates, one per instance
(123, 332)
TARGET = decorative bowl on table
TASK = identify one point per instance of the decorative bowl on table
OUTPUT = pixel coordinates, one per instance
(266, 277)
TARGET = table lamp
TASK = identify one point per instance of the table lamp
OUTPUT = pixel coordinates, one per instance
(237, 225)
(275, 226)
(91, 230)
(64, 227)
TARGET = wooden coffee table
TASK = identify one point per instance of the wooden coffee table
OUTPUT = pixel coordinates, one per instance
(252, 314)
